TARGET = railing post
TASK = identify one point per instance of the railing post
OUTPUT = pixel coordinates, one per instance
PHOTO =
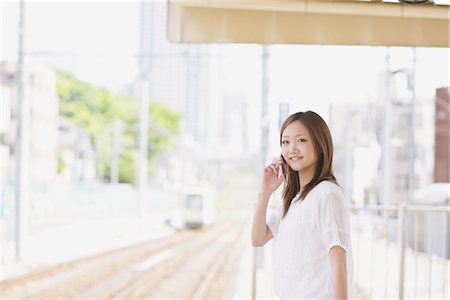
(401, 250)
(253, 295)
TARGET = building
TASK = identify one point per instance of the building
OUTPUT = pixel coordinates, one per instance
(7, 93)
(76, 154)
(358, 144)
(356, 151)
(188, 79)
(44, 114)
(442, 136)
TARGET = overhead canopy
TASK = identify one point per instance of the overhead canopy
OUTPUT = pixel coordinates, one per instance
(309, 22)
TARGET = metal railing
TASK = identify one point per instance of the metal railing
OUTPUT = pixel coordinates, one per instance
(401, 251)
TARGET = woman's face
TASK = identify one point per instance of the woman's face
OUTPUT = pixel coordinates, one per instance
(297, 148)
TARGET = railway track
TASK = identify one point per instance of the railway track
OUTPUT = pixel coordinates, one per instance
(137, 271)
(193, 273)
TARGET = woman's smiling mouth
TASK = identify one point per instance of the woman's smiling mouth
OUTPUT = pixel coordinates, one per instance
(295, 158)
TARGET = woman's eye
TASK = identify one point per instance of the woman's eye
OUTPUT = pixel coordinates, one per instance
(284, 142)
(302, 140)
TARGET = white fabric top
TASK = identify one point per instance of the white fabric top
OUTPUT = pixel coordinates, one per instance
(303, 239)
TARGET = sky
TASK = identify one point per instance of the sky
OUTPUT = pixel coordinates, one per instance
(97, 40)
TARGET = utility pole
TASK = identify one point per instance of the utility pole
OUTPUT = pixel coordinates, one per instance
(116, 150)
(412, 126)
(410, 73)
(144, 68)
(386, 180)
(22, 151)
(258, 254)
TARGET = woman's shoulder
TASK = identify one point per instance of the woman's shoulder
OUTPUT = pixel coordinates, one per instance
(326, 188)
(327, 185)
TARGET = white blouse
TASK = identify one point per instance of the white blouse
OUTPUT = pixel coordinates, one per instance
(303, 239)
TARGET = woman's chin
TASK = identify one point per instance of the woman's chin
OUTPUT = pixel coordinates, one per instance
(295, 168)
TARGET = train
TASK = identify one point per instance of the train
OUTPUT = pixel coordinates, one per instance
(199, 207)
(196, 208)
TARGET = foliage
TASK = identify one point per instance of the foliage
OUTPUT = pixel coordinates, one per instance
(61, 164)
(95, 109)
(163, 124)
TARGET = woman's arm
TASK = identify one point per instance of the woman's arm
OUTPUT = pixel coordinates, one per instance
(261, 233)
(339, 272)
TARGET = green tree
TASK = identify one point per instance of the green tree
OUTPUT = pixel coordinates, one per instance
(95, 109)
(163, 125)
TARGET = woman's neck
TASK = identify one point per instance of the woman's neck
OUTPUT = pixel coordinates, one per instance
(305, 177)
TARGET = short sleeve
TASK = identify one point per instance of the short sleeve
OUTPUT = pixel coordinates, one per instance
(274, 220)
(334, 222)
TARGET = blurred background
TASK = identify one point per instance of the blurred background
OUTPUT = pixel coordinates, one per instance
(130, 164)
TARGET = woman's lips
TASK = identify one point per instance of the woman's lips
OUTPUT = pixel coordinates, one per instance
(294, 159)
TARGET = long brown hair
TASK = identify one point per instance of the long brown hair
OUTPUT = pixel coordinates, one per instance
(323, 146)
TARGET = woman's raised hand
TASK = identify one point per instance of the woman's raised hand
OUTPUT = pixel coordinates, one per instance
(271, 180)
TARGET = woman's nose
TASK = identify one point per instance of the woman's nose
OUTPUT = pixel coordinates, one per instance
(292, 148)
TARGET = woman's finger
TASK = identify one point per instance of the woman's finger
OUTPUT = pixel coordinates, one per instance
(274, 168)
(270, 169)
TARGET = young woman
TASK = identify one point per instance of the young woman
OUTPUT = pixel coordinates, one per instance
(312, 247)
